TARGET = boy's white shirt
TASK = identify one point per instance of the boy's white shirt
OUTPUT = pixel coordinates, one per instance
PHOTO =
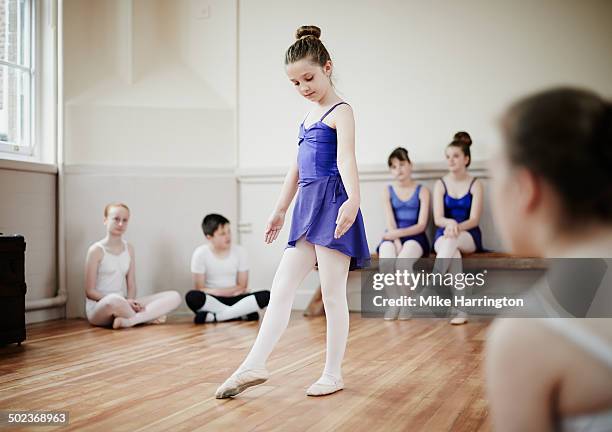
(220, 272)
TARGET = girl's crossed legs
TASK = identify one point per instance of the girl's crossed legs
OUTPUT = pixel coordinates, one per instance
(114, 309)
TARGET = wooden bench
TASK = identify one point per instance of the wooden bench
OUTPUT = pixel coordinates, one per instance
(477, 260)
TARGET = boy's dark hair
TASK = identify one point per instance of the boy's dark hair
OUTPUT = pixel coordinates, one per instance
(399, 153)
(564, 135)
(212, 222)
(463, 140)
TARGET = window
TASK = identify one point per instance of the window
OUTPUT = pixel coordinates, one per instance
(16, 76)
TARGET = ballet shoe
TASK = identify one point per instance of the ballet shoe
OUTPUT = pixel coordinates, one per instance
(404, 314)
(239, 381)
(459, 319)
(322, 389)
(391, 314)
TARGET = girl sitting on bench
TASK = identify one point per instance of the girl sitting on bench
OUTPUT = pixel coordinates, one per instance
(406, 205)
(457, 206)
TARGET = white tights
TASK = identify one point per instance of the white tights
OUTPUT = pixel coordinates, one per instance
(295, 265)
(410, 252)
(114, 306)
(449, 247)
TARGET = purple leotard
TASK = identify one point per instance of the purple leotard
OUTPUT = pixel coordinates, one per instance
(406, 214)
(320, 195)
(459, 209)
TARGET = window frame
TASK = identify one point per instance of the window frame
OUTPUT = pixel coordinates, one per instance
(28, 147)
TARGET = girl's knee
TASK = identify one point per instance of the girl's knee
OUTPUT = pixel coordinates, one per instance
(445, 244)
(174, 297)
(387, 250)
(411, 249)
(112, 301)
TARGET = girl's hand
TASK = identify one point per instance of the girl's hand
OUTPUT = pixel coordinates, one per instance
(391, 235)
(347, 213)
(451, 229)
(398, 246)
(135, 305)
(275, 223)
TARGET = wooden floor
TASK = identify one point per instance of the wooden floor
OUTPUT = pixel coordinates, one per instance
(421, 374)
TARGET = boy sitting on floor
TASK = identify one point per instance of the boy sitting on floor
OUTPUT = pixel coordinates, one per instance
(220, 277)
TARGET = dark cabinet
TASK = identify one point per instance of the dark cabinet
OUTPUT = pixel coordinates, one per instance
(12, 289)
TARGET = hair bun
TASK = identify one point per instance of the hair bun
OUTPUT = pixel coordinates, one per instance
(463, 137)
(308, 30)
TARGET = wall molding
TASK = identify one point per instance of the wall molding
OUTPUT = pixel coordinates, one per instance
(259, 175)
(26, 166)
(148, 171)
(367, 173)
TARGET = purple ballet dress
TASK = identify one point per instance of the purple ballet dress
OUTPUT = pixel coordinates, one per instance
(320, 195)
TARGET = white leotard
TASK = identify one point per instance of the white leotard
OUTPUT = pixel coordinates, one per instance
(111, 276)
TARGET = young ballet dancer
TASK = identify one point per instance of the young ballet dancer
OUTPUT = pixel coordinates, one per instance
(220, 277)
(110, 280)
(406, 205)
(457, 206)
(326, 227)
(552, 197)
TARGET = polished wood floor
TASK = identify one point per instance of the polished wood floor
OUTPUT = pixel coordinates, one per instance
(421, 374)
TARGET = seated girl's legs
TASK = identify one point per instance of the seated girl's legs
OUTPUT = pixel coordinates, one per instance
(333, 272)
(451, 247)
(410, 253)
(387, 254)
(108, 308)
(227, 308)
(155, 305)
(448, 248)
(295, 265)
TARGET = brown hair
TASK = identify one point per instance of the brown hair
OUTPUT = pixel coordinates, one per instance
(564, 135)
(463, 140)
(115, 204)
(308, 45)
(399, 153)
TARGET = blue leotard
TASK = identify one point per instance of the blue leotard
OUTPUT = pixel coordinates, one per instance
(459, 209)
(406, 214)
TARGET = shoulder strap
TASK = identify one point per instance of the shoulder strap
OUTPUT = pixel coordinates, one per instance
(445, 189)
(331, 109)
(391, 191)
(473, 180)
(101, 247)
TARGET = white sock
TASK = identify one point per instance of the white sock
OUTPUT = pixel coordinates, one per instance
(242, 307)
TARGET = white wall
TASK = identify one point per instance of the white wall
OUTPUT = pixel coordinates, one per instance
(150, 96)
(149, 83)
(415, 71)
(28, 208)
(166, 206)
(161, 105)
